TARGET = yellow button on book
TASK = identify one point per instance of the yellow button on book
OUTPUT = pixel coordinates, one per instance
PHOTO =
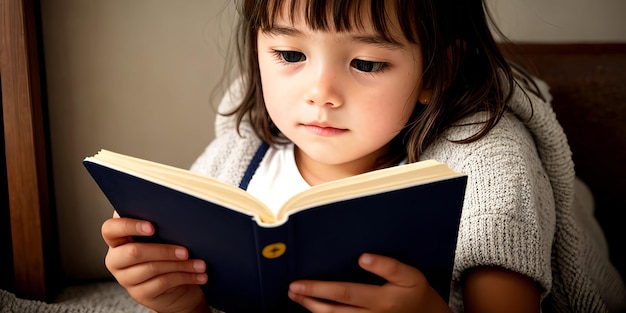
(274, 250)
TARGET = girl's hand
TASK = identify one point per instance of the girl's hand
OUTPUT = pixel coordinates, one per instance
(406, 290)
(158, 276)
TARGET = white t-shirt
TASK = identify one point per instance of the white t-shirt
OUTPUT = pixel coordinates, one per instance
(277, 178)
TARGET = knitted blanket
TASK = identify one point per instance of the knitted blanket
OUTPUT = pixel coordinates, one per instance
(103, 297)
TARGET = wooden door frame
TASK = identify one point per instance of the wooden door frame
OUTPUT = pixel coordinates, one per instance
(32, 216)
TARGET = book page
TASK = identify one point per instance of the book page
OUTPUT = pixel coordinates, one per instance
(234, 198)
(378, 181)
(200, 186)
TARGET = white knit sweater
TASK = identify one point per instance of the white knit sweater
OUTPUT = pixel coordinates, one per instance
(519, 213)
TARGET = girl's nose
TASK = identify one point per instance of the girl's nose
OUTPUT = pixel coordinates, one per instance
(325, 88)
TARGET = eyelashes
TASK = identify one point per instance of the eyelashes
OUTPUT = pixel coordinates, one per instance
(369, 66)
(287, 56)
(290, 57)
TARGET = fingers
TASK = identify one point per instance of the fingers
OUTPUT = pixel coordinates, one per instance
(135, 253)
(392, 270)
(187, 272)
(169, 293)
(134, 263)
(308, 294)
(170, 286)
(148, 270)
(158, 276)
(117, 231)
(404, 288)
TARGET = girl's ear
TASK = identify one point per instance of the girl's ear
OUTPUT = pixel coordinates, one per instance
(425, 95)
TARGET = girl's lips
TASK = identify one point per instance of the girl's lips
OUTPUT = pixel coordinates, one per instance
(323, 130)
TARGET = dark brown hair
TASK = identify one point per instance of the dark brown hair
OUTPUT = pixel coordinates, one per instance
(463, 65)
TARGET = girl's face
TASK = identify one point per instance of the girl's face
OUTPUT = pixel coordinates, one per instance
(341, 97)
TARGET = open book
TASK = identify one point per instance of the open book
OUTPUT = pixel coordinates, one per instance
(410, 212)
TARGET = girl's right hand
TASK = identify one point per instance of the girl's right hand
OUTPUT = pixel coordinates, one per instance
(158, 276)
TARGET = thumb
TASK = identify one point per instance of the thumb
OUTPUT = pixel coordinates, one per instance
(392, 270)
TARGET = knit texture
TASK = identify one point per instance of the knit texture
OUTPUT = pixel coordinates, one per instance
(101, 297)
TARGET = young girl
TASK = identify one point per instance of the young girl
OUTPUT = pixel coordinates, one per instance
(338, 88)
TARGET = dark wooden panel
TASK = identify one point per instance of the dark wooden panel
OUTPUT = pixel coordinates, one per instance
(32, 218)
(7, 281)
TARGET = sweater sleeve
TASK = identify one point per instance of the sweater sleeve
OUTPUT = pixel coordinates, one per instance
(508, 216)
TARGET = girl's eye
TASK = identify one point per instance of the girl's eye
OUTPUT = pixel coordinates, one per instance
(368, 66)
(290, 56)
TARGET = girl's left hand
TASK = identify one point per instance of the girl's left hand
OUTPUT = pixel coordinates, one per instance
(406, 290)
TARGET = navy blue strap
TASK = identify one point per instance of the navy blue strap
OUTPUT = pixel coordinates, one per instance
(254, 164)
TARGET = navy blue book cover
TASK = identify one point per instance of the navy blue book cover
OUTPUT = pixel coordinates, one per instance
(250, 265)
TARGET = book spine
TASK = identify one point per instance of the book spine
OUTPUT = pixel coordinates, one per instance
(274, 253)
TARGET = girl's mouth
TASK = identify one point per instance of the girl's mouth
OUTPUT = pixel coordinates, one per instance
(322, 130)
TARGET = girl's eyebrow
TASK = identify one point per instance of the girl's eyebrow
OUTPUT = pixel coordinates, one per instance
(378, 41)
(279, 30)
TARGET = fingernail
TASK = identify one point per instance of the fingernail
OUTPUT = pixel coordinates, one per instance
(145, 228)
(202, 278)
(198, 265)
(296, 287)
(367, 259)
(180, 253)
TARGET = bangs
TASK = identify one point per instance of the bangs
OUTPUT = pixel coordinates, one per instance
(337, 15)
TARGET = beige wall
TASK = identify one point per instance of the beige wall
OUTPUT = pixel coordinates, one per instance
(129, 76)
(561, 20)
(135, 77)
